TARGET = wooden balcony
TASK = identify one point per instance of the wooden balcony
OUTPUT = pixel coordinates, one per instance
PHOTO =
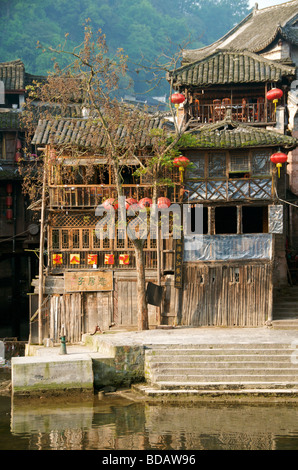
(250, 113)
(84, 196)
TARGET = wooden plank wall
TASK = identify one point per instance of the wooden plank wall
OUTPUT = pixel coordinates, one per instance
(79, 313)
(65, 310)
(226, 295)
(125, 300)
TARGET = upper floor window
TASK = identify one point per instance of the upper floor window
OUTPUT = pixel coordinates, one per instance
(233, 165)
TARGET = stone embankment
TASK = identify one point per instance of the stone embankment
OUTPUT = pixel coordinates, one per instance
(160, 364)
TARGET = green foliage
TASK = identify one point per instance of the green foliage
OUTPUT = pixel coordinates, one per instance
(144, 29)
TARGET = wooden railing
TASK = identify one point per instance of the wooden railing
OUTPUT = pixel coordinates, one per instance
(249, 113)
(79, 196)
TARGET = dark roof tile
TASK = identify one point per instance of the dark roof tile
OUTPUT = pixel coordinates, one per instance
(224, 67)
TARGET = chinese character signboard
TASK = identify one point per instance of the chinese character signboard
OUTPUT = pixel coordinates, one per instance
(88, 282)
(178, 263)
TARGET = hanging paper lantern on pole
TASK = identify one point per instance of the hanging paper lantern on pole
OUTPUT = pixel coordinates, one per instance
(163, 202)
(182, 163)
(274, 95)
(279, 158)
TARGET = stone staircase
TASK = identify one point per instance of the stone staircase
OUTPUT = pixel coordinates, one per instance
(285, 308)
(221, 369)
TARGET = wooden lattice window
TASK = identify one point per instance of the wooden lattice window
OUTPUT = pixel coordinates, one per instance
(217, 165)
(76, 239)
(239, 163)
(55, 239)
(85, 239)
(198, 168)
(261, 163)
(65, 239)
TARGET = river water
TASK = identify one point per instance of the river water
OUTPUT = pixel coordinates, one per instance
(115, 423)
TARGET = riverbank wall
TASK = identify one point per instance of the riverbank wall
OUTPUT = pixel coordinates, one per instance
(180, 361)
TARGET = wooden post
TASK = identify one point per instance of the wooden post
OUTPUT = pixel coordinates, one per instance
(41, 251)
(159, 254)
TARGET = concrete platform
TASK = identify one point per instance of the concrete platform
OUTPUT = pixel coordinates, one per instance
(117, 358)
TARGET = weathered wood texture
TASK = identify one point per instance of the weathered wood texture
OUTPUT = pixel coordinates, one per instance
(125, 300)
(226, 295)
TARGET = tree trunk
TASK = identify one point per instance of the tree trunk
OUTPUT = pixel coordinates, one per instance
(143, 323)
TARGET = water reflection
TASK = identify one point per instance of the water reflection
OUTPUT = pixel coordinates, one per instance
(116, 423)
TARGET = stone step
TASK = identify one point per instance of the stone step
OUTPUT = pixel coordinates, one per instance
(218, 390)
(285, 324)
(222, 365)
(228, 366)
(203, 378)
(225, 385)
(217, 351)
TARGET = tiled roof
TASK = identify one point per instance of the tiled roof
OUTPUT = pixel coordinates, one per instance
(14, 76)
(79, 132)
(255, 32)
(229, 134)
(224, 134)
(224, 67)
(9, 120)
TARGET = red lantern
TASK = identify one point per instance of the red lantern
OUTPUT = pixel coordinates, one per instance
(19, 144)
(182, 163)
(9, 188)
(279, 158)
(130, 202)
(108, 203)
(17, 156)
(9, 201)
(177, 98)
(145, 202)
(9, 214)
(274, 95)
(163, 202)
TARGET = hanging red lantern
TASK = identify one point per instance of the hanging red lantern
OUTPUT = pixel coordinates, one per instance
(145, 202)
(177, 98)
(274, 95)
(108, 203)
(182, 163)
(17, 156)
(130, 202)
(279, 158)
(9, 214)
(9, 188)
(163, 202)
(19, 144)
(9, 201)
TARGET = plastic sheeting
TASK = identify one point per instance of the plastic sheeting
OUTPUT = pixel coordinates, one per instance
(227, 247)
(276, 219)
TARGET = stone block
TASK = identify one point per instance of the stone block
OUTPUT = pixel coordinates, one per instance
(52, 376)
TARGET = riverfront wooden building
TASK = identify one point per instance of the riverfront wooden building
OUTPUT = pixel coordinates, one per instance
(223, 277)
